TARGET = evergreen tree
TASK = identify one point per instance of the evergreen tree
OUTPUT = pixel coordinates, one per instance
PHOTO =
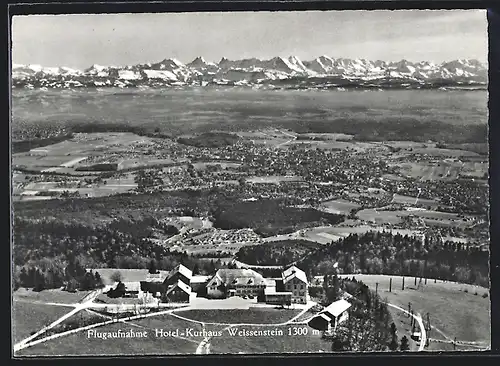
(39, 281)
(405, 345)
(23, 277)
(393, 346)
(98, 280)
(152, 267)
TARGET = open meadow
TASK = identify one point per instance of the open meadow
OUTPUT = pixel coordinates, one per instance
(327, 234)
(445, 170)
(339, 206)
(240, 316)
(28, 318)
(80, 344)
(455, 310)
(430, 217)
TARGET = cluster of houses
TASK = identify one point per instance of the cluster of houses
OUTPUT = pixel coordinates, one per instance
(180, 286)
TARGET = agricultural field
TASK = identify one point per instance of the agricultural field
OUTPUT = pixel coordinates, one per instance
(128, 275)
(444, 170)
(455, 310)
(120, 183)
(189, 222)
(355, 146)
(339, 206)
(327, 234)
(414, 201)
(221, 165)
(274, 179)
(79, 157)
(51, 295)
(430, 217)
(325, 136)
(268, 136)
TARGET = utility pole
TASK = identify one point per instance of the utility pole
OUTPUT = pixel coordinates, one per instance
(409, 308)
(390, 284)
(403, 287)
(415, 281)
(376, 288)
(429, 325)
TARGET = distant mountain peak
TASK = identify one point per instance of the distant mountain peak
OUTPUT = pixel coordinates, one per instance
(251, 71)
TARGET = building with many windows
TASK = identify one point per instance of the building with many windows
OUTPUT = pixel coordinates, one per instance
(295, 281)
(235, 282)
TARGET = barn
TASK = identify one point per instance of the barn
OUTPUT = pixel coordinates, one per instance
(179, 292)
(331, 316)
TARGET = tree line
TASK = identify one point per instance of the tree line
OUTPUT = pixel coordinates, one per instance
(395, 254)
(71, 277)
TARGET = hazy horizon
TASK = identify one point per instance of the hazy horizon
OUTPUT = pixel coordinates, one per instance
(79, 41)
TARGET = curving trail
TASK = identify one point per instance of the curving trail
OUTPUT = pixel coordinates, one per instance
(204, 346)
(83, 304)
(418, 318)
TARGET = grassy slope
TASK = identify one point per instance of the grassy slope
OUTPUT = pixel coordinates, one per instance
(455, 313)
(235, 316)
(272, 344)
(28, 318)
(79, 344)
(54, 295)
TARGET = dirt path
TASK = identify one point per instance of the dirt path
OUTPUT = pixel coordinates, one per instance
(83, 304)
(204, 346)
(418, 318)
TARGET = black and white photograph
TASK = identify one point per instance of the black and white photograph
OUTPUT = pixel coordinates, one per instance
(249, 183)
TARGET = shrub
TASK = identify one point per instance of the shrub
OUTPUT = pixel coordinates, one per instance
(485, 295)
(465, 290)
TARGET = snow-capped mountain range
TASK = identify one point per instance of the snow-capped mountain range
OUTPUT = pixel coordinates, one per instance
(291, 72)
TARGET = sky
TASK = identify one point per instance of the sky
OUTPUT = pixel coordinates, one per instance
(81, 40)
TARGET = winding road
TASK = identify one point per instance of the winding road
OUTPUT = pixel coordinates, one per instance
(418, 318)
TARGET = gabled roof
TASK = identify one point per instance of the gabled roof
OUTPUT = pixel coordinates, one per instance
(236, 277)
(336, 308)
(200, 279)
(180, 285)
(132, 286)
(293, 272)
(183, 270)
(155, 277)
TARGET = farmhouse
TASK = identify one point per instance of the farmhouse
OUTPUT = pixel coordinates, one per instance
(179, 292)
(179, 273)
(331, 316)
(239, 282)
(295, 281)
(167, 288)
